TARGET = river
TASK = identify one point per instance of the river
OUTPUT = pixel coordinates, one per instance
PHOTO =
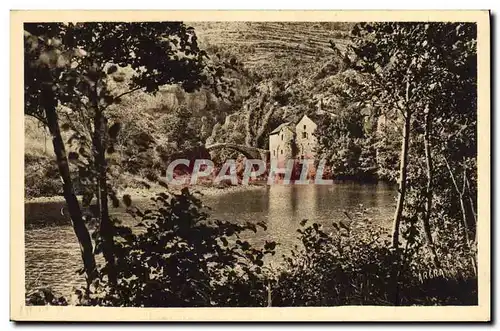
(52, 254)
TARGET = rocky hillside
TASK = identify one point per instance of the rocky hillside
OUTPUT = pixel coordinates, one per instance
(273, 46)
(299, 51)
(289, 62)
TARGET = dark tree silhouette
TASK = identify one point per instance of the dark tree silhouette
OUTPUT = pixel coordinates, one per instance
(69, 65)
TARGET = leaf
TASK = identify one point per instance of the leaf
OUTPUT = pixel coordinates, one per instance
(224, 241)
(114, 130)
(65, 127)
(252, 227)
(342, 225)
(110, 150)
(112, 69)
(270, 245)
(73, 156)
(127, 200)
(262, 225)
(163, 184)
(114, 200)
(74, 136)
(87, 198)
(82, 151)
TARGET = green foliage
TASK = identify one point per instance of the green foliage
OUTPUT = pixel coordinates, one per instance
(388, 147)
(347, 143)
(178, 258)
(355, 265)
(41, 176)
(177, 255)
(425, 75)
(44, 297)
(180, 132)
(91, 67)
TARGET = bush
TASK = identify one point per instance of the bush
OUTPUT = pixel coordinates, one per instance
(41, 176)
(357, 266)
(44, 297)
(180, 258)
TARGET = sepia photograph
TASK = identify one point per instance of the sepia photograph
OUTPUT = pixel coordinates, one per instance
(271, 162)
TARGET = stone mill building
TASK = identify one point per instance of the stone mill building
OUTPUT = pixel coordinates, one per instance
(293, 140)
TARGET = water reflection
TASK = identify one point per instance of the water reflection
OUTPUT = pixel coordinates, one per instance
(288, 205)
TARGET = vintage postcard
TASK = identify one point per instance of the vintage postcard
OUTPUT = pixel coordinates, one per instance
(250, 166)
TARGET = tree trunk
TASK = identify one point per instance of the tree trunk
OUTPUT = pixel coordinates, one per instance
(403, 173)
(464, 213)
(106, 228)
(429, 193)
(472, 208)
(75, 212)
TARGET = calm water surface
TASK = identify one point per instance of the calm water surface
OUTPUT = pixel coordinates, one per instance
(52, 252)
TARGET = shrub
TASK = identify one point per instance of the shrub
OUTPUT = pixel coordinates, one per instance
(44, 297)
(180, 258)
(41, 176)
(357, 266)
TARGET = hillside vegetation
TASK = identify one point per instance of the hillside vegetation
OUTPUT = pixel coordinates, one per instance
(277, 72)
(274, 47)
(123, 99)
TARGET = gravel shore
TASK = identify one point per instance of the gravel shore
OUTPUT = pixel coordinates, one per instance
(146, 193)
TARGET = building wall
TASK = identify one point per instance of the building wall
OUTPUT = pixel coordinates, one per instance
(280, 147)
(274, 141)
(306, 141)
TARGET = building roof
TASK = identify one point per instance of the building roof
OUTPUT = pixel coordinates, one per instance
(291, 125)
(318, 116)
(303, 116)
(281, 126)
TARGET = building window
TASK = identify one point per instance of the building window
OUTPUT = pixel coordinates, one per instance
(281, 136)
(304, 126)
(281, 152)
(304, 135)
(274, 153)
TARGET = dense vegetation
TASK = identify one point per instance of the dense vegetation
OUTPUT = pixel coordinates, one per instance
(394, 101)
(305, 80)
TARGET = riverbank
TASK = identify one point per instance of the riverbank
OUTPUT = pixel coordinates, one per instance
(53, 254)
(141, 193)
